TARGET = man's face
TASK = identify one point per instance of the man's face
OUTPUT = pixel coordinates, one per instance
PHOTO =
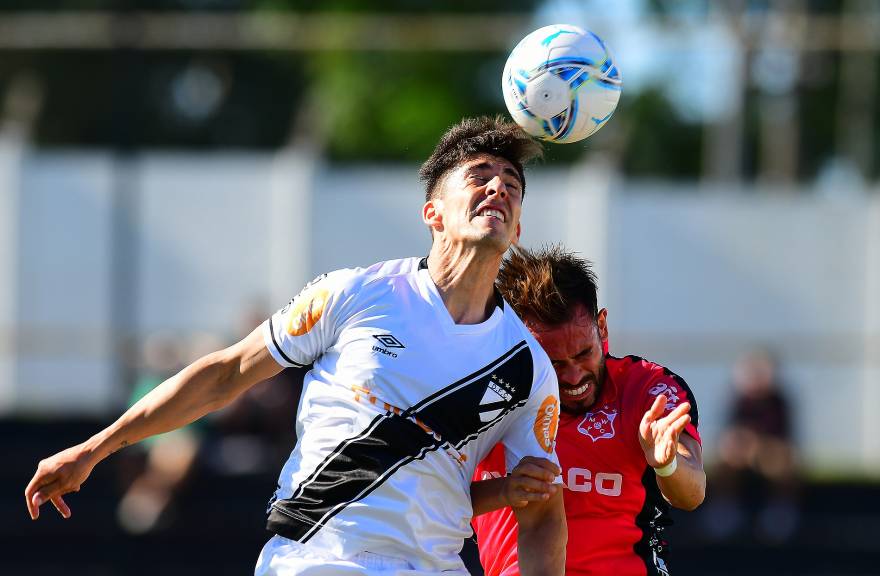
(479, 202)
(576, 350)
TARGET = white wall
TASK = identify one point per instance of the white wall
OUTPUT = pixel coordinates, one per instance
(690, 279)
(64, 342)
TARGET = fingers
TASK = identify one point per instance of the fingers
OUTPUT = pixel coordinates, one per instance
(47, 489)
(679, 424)
(656, 409)
(680, 410)
(537, 468)
(523, 489)
(531, 481)
(61, 506)
(33, 496)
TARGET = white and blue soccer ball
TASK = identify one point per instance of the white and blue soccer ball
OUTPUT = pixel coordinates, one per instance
(560, 83)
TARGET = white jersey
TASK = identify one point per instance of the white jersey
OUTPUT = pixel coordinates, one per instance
(400, 406)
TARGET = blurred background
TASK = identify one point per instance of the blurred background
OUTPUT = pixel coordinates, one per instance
(173, 171)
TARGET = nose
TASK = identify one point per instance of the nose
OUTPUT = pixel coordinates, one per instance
(570, 374)
(496, 186)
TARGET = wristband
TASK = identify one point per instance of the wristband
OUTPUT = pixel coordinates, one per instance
(667, 470)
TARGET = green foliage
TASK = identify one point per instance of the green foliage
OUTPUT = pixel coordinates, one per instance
(657, 143)
(394, 106)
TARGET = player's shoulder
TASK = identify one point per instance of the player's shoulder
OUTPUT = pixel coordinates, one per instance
(638, 376)
(636, 366)
(358, 278)
(636, 370)
(539, 356)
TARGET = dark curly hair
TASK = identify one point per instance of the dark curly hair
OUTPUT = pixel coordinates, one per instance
(545, 285)
(472, 136)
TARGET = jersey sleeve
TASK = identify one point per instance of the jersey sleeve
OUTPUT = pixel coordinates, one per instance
(308, 325)
(676, 391)
(533, 433)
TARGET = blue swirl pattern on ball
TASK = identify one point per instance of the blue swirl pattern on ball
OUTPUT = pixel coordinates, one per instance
(561, 84)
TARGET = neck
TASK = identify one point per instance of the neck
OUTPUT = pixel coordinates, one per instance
(465, 279)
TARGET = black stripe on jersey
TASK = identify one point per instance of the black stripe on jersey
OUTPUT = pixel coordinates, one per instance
(482, 372)
(694, 411)
(652, 520)
(278, 348)
(362, 463)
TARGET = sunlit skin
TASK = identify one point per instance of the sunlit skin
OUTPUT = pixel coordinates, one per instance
(459, 215)
(473, 218)
(577, 352)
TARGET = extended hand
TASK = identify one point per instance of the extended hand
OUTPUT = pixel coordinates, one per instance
(530, 481)
(659, 436)
(57, 475)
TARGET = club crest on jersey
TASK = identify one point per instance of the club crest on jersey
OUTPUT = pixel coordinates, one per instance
(598, 425)
(498, 394)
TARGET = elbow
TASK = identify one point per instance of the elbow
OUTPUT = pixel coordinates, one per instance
(693, 499)
(692, 503)
(220, 369)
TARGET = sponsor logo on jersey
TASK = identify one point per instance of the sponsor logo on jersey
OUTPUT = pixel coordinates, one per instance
(598, 425)
(670, 391)
(546, 422)
(604, 483)
(388, 341)
(306, 310)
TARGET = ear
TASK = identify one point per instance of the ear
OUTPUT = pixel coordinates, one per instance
(602, 322)
(518, 232)
(432, 214)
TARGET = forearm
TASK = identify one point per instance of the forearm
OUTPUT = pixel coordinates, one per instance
(487, 495)
(686, 487)
(185, 397)
(543, 538)
(207, 384)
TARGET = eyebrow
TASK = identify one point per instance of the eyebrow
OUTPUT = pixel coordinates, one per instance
(507, 170)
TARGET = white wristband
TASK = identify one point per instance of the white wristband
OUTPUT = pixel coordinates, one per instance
(667, 470)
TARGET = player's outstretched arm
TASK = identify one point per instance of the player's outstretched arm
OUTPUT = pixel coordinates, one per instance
(543, 535)
(677, 458)
(207, 384)
(530, 481)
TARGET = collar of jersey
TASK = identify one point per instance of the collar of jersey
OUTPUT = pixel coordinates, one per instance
(431, 294)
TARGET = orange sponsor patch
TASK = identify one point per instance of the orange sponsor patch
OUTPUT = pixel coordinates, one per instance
(546, 423)
(306, 311)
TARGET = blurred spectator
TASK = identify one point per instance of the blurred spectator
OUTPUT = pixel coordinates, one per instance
(254, 434)
(250, 436)
(157, 469)
(755, 482)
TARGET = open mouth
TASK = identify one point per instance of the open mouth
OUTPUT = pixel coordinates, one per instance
(576, 393)
(492, 213)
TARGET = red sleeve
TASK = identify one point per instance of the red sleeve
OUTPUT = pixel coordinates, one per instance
(676, 390)
(496, 531)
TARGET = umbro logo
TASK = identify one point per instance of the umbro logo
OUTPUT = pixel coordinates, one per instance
(388, 341)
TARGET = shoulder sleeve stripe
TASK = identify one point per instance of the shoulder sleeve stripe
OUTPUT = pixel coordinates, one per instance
(278, 348)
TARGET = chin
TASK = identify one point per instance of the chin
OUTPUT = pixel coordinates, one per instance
(577, 406)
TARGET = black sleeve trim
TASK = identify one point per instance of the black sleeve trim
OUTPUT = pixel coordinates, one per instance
(278, 348)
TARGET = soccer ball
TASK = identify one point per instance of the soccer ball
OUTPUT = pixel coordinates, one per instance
(560, 83)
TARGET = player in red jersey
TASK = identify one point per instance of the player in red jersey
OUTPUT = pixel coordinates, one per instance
(627, 438)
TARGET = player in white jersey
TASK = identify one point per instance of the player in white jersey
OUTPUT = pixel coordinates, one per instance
(419, 369)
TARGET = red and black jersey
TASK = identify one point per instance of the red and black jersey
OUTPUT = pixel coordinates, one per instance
(615, 511)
